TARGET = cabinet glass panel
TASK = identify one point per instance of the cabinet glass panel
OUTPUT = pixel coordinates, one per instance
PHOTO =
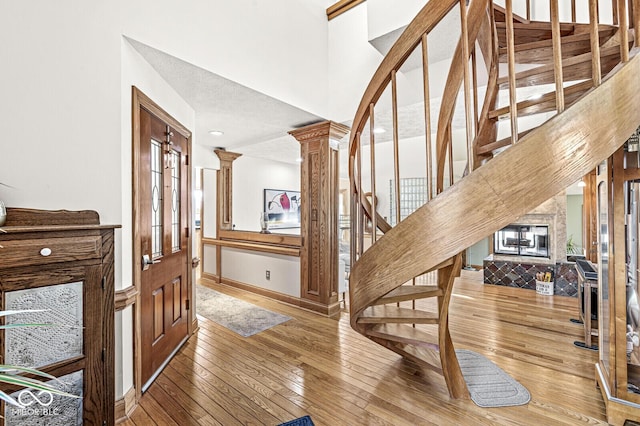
(45, 408)
(57, 305)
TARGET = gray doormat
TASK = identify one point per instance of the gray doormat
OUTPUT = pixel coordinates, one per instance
(488, 384)
(235, 314)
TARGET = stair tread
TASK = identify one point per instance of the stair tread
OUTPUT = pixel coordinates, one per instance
(394, 314)
(542, 50)
(402, 333)
(410, 292)
(544, 74)
(490, 147)
(533, 106)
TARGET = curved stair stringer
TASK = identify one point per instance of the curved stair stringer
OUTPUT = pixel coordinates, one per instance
(558, 153)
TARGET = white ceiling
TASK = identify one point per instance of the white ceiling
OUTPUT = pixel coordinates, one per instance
(257, 125)
(253, 123)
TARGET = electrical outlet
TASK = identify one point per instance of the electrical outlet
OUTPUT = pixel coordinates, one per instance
(268, 275)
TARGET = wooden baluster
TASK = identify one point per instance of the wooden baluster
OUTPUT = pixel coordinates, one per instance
(513, 103)
(614, 11)
(372, 157)
(573, 10)
(636, 21)
(528, 10)
(354, 206)
(427, 116)
(596, 70)
(624, 30)
(450, 154)
(467, 81)
(557, 55)
(476, 99)
(359, 212)
(396, 148)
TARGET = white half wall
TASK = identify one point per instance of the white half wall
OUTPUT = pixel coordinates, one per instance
(250, 268)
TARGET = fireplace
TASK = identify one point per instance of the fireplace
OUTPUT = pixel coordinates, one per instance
(522, 240)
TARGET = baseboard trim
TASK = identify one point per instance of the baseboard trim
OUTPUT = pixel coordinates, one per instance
(209, 276)
(125, 405)
(332, 310)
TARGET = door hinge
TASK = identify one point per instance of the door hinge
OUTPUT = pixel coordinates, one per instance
(187, 231)
(104, 282)
(187, 304)
(186, 160)
(104, 354)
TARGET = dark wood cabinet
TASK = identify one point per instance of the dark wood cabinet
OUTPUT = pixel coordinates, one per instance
(60, 266)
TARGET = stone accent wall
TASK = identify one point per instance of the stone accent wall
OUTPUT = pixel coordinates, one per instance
(523, 275)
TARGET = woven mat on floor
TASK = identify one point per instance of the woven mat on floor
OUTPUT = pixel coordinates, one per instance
(235, 314)
(488, 384)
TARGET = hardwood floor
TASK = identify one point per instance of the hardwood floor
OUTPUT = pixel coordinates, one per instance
(321, 367)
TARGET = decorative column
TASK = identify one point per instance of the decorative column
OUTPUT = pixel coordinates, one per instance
(224, 190)
(319, 185)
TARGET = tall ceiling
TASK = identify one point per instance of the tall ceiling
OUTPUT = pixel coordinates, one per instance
(253, 123)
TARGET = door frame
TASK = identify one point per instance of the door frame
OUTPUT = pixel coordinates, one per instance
(140, 100)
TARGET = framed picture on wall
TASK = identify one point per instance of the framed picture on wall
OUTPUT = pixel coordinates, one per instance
(282, 207)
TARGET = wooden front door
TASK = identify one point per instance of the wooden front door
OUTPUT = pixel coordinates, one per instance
(161, 195)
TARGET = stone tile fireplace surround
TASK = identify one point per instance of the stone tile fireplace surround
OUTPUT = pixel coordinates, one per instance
(520, 271)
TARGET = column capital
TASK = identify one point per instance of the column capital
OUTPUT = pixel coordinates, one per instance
(226, 156)
(323, 130)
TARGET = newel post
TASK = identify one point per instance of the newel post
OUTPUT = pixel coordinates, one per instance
(319, 185)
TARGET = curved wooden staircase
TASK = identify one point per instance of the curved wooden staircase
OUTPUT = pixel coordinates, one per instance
(586, 74)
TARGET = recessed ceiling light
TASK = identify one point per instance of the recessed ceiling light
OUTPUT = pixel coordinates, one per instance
(216, 132)
(378, 130)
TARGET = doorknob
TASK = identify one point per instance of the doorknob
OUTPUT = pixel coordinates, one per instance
(146, 261)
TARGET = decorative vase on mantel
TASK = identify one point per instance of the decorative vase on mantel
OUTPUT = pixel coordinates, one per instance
(264, 223)
(3, 213)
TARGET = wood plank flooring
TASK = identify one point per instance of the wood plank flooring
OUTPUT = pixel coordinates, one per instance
(321, 367)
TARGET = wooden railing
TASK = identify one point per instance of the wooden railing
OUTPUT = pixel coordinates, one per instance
(480, 47)
(566, 61)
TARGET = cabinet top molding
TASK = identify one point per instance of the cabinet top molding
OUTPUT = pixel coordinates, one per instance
(21, 219)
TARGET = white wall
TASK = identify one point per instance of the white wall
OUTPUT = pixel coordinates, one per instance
(349, 50)
(60, 105)
(249, 267)
(574, 220)
(277, 47)
(251, 176)
(477, 252)
(384, 16)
